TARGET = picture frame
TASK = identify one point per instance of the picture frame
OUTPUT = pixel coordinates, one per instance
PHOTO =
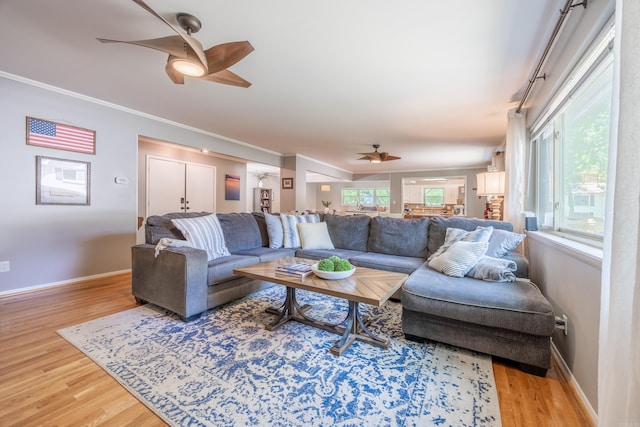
(48, 134)
(287, 183)
(231, 187)
(62, 181)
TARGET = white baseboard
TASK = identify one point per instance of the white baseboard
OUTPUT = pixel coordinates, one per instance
(61, 283)
(567, 375)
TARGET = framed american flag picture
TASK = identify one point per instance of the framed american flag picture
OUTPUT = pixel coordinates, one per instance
(48, 134)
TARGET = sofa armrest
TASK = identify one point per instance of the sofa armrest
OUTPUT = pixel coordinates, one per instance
(521, 262)
(175, 280)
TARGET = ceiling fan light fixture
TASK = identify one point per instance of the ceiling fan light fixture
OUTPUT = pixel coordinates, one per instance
(188, 67)
(376, 160)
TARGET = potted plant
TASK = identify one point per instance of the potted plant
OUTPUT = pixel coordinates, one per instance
(326, 204)
(261, 176)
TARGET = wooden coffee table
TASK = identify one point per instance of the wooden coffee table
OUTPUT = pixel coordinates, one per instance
(366, 285)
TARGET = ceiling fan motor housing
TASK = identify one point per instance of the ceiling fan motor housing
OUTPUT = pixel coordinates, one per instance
(188, 22)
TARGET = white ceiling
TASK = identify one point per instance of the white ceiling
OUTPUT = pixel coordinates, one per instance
(431, 81)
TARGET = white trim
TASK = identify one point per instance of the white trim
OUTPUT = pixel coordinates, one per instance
(128, 110)
(567, 375)
(581, 251)
(17, 291)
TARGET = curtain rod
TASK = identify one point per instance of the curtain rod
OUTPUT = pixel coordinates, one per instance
(563, 14)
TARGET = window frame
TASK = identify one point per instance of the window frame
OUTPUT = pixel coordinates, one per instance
(363, 196)
(598, 60)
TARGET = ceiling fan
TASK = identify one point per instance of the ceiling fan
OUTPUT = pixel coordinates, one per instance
(376, 156)
(186, 55)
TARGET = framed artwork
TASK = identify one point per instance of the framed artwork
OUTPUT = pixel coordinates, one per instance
(287, 183)
(61, 137)
(62, 182)
(232, 187)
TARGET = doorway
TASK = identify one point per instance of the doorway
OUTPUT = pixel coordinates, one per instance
(179, 186)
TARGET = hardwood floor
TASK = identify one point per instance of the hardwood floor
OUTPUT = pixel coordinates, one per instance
(46, 381)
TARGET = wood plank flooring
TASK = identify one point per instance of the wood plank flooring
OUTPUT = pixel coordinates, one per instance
(46, 381)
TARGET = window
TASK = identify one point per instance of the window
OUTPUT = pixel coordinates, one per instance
(365, 196)
(572, 154)
(433, 196)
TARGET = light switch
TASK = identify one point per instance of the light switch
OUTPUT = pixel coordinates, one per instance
(122, 180)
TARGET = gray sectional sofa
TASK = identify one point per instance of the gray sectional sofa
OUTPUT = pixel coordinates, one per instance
(512, 320)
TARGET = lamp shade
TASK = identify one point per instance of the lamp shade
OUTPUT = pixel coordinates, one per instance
(490, 183)
(325, 187)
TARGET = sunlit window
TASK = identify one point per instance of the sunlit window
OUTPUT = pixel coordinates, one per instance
(572, 154)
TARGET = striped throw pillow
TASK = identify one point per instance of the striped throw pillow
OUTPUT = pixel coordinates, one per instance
(459, 258)
(290, 227)
(204, 232)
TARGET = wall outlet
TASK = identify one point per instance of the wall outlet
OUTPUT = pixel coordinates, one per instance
(4, 266)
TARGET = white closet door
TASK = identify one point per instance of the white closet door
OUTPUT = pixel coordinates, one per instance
(165, 186)
(200, 189)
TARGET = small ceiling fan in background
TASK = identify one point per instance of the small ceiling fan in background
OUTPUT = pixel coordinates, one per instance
(376, 156)
(188, 58)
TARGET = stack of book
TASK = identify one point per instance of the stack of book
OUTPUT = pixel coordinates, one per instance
(298, 269)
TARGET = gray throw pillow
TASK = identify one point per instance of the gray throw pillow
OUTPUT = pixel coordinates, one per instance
(502, 242)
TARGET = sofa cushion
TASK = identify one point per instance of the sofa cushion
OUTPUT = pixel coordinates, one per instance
(267, 254)
(349, 232)
(204, 233)
(438, 228)
(220, 270)
(326, 253)
(314, 236)
(397, 236)
(262, 225)
(518, 306)
(459, 258)
(290, 227)
(396, 263)
(240, 231)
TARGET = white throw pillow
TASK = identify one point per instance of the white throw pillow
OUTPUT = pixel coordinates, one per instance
(315, 236)
(204, 232)
(480, 234)
(290, 227)
(459, 258)
(274, 230)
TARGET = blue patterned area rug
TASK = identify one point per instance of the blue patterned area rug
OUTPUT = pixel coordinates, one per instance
(225, 369)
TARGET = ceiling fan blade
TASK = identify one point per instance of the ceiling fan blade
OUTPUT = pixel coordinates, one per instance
(370, 156)
(174, 75)
(228, 78)
(173, 45)
(223, 56)
(191, 41)
(385, 157)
